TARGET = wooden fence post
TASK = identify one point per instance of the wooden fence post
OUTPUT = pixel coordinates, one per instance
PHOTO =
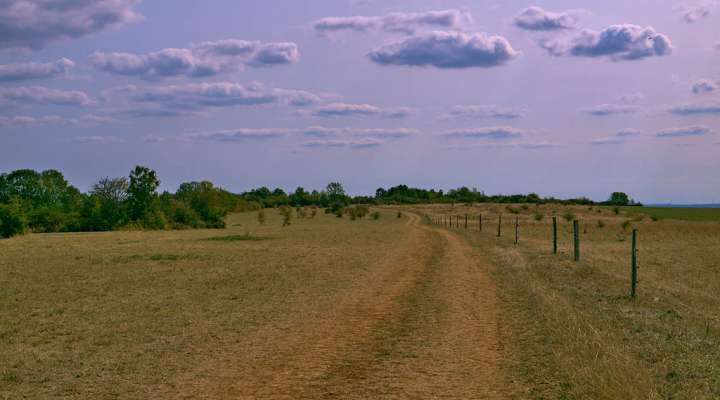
(576, 236)
(499, 225)
(634, 266)
(480, 222)
(465, 221)
(517, 230)
(554, 235)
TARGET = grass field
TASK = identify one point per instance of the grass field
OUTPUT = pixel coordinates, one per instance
(581, 330)
(393, 308)
(687, 214)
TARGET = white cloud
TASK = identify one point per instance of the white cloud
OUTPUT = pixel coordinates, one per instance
(348, 110)
(694, 130)
(696, 109)
(32, 24)
(24, 95)
(537, 19)
(617, 42)
(393, 22)
(481, 112)
(605, 110)
(447, 50)
(491, 133)
(702, 86)
(202, 60)
(33, 70)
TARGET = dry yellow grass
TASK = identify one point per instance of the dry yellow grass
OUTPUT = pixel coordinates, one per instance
(581, 335)
(366, 309)
(323, 308)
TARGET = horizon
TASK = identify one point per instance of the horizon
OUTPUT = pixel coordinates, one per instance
(565, 99)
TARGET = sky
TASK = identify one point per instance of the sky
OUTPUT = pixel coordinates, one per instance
(561, 98)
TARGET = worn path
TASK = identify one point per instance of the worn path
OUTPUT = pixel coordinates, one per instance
(423, 325)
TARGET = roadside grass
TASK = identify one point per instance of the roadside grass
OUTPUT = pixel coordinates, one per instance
(138, 315)
(577, 331)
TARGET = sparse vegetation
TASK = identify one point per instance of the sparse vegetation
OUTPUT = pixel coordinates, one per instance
(569, 216)
(538, 216)
(287, 213)
(261, 217)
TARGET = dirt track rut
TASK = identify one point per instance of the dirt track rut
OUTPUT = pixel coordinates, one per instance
(423, 325)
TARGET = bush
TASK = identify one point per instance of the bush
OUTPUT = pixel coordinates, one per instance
(569, 216)
(538, 216)
(525, 207)
(626, 224)
(261, 217)
(376, 215)
(358, 211)
(12, 220)
(600, 223)
(655, 218)
(399, 214)
(512, 210)
(616, 210)
(286, 213)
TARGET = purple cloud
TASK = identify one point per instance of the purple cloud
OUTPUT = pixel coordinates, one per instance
(617, 42)
(692, 14)
(352, 144)
(202, 60)
(23, 95)
(446, 50)
(335, 110)
(694, 130)
(190, 99)
(537, 19)
(97, 140)
(481, 112)
(606, 110)
(33, 70)
(704, 86)
(492, 133)
(33, 24)
(696, 109)
(394, 22)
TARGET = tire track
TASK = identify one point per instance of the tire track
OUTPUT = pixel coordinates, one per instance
(423, 325)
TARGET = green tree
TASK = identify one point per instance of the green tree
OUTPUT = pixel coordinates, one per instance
(12, 220)
(142, 192)
(335, 192)
(619, 199)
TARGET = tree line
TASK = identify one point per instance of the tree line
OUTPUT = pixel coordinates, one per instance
(46, 202)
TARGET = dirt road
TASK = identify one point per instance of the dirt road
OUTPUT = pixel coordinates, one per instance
(422, 325)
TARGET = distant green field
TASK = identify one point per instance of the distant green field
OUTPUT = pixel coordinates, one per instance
(688, 214)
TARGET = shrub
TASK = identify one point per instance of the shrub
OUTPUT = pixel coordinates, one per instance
(525, 207)
(376, 215)
(569, 216)
(616, 210)
(286, 213)
(538, 216)
(626, 224)
(358, 211)
(512, 210)
(261, 217)
(600, 223)
(12, 220)
(313, 212)
(655, 218)
(639, 217)
(399, 214)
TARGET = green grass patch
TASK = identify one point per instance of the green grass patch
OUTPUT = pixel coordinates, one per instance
(687, 214)
(236, 238)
